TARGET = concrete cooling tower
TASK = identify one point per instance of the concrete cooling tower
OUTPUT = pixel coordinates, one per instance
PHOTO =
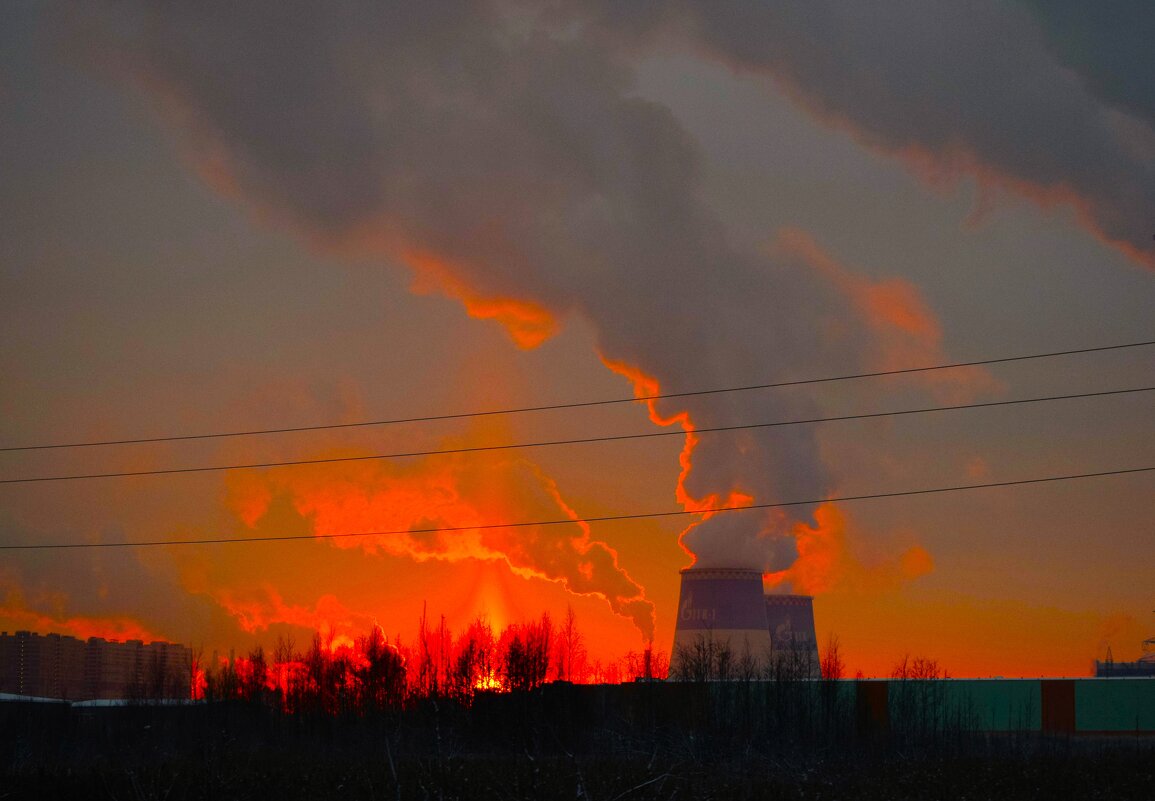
(723, 605)
(790, 621)
(728, 606)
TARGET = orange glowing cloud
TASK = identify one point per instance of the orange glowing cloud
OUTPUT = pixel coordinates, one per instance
(943, 166)
(15, 613)
(904, 331)
(647, 386)
(465, 494)
(527, 323)
(827, 559)
(943, 171)
(255, 609)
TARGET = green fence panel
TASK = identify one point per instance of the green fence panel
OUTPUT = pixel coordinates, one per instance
(1115, 705)
(996, 704)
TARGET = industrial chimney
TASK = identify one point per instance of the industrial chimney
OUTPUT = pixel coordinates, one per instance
(722, 606)
(793, 641)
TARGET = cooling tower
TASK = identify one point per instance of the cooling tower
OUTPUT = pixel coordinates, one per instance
(723, 605)
(790, 621)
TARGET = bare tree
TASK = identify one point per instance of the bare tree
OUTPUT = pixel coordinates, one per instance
(472, 666)
(748, 665)
(571, 651)
(918, 668)
(194, 666)
(705, 659)
(256, 675)
(659, 664)
(284, 675)
(832, 665)
(317, 690)
(919, 701)
(526, 654)
(381, 678)
(221, 681)
(693, 662)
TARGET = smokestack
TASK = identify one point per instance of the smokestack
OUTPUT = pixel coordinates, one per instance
(790, 622)
(723, 605)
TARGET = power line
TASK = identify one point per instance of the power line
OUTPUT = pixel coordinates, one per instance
(558, 442)
(574, 405)
(562, 521)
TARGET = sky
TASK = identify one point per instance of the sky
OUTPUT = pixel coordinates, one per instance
(218, 219)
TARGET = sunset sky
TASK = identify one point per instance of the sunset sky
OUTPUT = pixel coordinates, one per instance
(227, 217)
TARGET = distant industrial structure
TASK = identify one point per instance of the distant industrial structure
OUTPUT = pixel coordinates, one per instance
(60, 666)
(727, 608)
(1143, 667)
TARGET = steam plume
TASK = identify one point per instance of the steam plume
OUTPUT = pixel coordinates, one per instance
(1041, 99)
(505, 160)
(458, 493)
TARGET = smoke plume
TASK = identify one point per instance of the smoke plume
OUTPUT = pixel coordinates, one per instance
(502, 156)
(466, 494)
(1040, 99)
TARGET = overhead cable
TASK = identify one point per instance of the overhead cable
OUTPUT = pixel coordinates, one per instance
(573, 405)
(568, 520)
(561, 442)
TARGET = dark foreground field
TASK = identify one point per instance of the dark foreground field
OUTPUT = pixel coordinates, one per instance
(272, 776)
(696, 743)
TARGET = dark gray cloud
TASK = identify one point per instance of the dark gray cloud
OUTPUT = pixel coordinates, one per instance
(1110, 46)
(1056, 106)
(505, 158)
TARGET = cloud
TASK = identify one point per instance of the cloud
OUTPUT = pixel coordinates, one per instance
(1044, 100)
(889, 318)
(17, 612)
(505, 159)
(468, 494)
(828, 559)
(86, 592)
(257, 608)
(1107, 45)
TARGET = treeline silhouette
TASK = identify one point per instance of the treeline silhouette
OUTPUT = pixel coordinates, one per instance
(371, 673)
(506, 715)
(528, 686)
